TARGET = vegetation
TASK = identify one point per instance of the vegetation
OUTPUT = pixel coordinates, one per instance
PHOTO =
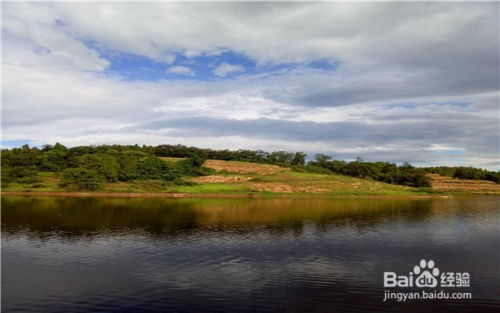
(391, 173)
(86, 168)
(465, 173)
(405, 174)
(79, 178)
(169, 168)
(381, 171)
(278, 157)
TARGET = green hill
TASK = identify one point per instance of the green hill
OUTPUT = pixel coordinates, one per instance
(232, 177)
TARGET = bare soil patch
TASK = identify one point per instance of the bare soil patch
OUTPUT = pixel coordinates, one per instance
(271, 186)
(285, 188)
(444, 183)
(219, 179)
(244, 167)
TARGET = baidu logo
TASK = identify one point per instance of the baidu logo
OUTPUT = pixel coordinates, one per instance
(426, 275)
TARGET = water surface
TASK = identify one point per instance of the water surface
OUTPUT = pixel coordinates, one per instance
(241, 255)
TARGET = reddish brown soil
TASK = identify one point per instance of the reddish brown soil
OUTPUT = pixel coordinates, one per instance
(243, 167)
(449, 184)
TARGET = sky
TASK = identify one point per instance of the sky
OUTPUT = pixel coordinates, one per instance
(415, 81)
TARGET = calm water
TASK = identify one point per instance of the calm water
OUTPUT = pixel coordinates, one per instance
(241, 255)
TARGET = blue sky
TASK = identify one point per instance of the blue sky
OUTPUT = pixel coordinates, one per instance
(198, 68)
(335, 78)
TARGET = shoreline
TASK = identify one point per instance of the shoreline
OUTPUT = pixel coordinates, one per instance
(207, 195)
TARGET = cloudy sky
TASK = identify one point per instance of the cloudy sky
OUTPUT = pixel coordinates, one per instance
(396, 82)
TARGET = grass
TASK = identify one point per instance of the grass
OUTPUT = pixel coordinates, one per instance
(334, 184)
(44, 181)
(261, 180)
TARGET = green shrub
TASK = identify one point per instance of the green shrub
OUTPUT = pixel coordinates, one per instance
(406, 174)
(127, 166)
(152, 167)
(467, 173)
(79, 178)
(104, 164)
(19, 174)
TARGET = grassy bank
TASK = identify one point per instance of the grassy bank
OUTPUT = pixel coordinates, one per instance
(233, 178)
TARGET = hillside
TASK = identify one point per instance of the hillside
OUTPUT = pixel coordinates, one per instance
(254, 177)
(234, 177)
(271, 178)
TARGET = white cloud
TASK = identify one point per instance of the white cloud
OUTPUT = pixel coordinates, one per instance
(183, 70)
(33, 38)
(417, 35)
(225, 69)
(406, 72)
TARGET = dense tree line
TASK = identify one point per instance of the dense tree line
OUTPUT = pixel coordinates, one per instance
(258, 156)
(405, 174)
(181, 151)
(391, 173)
(463, 172)
(85, 168)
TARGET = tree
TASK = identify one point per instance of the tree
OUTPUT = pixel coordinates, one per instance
(20, 174)
(196, 161)
(127, 163)
(104, 164)
(322, 158)
(150, 167)
(79, 178)
(59, 147)
(299, 158)
(22, 157)
(108, 167)
(467, 173)
(54, 160)
(47, 148)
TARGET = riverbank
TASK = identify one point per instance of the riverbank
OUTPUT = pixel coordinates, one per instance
(246, 180)
(209, 195)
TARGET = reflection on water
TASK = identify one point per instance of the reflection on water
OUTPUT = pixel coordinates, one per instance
(240, 255)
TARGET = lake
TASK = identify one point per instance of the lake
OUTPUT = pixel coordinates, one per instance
(65, 254)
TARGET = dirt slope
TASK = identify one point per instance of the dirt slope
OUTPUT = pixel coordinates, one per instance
(244, 167)
(449, 184)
